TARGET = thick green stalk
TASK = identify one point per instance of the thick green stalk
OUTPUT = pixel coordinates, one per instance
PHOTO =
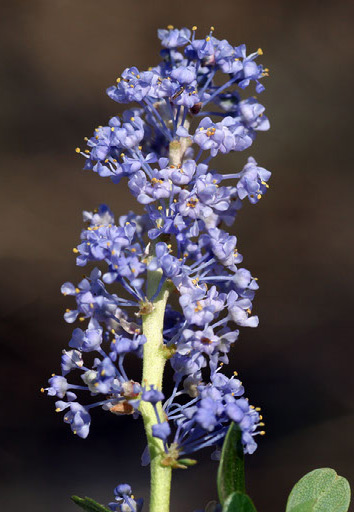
(153, 367)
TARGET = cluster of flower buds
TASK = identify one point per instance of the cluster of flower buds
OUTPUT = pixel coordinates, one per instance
(180, 120)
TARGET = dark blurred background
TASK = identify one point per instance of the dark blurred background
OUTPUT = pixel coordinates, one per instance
(57, 58)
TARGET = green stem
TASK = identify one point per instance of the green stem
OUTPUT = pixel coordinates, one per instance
(153, 367)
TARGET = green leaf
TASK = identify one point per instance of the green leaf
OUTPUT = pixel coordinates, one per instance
(321, 490)
(231, 471)
(238, 502)
(89, 504)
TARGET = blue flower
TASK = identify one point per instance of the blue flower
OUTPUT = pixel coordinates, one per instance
(88, 340)
(161, 430)
(71, 359)
(124, 500)
(152, 395)
(170, 265)
(173, 37)
(58, 386)
(79, 419)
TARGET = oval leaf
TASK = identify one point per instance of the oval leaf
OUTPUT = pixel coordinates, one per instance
(89, 504)
(231, 471)
(321, 490)
(238, 502)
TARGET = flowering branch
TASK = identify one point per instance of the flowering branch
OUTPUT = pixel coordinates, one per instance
(164, 146)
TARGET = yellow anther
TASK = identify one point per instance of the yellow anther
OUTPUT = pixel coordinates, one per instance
(132, 86)
(235, 373)
(103, 372)
(118, 80)
(170, 27)
(192, 203)
(92, 305)
(85, 139)
(212, 29)
(87, 151)
(57, 409)
(138, 76)
(96, 384)
(140, 148)
(133, 249)
(262, 433)
(67, 310)
(260, 51)
(194, 27)
(258, 409)
(113, 331)
(42, 390)
(113, 252)
(259, 196)
(199, 307)
(77, 290)
(78, 150)
(112, 129)
(262, 424)
(132, 118)
(122, 155)
(249, 311)
(81, 318)
(115, 266)
(74, 432)
(106, 161)
(207, 38)
(96, 130)
(260, 417)
(159, 208)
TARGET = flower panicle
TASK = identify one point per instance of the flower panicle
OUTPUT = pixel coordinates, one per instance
(163, 145)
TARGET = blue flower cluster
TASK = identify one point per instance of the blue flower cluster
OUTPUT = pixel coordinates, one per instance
(180, 120)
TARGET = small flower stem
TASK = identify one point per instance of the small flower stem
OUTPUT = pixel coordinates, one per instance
(153, 367)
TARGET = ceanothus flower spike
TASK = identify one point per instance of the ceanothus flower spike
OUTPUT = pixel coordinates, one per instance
(167, 286)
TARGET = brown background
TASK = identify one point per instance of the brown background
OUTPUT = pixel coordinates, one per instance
(57, 58)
